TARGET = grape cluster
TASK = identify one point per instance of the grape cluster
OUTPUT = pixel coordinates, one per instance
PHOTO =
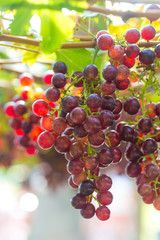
(23, 121)
(80, 115)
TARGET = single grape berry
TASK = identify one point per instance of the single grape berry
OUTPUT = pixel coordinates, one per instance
(106, 118)
(105, 156)
(148, 32)
(68, 103)
(132, 51)
(133, 169)
(132, 35)
(47, 77)
(78, 201)
(59, 125)
(103, 213)
(76, 150)
(128, 62)
(151, 171)
(88, 210)
(103, 183)
(86, 187)
(90, 163)
(93, 101)
(122, 85)
(116, 52)
(62, 144)
(40, 107)
(59, 80)
(110, 73)
(131, 105)
(60, 67)
(126, 133)
(149, 146)
(78, 115)
(52, 94)
(26, 79)
(145, 125)
(105, 198)
(105, 42)
(46, 140)
(108, 88)
(123, 73)
(92, 124)
(118, 108)
(108, 103)
(79, 131)
(147, 57)
(20, 107)
(90, 72)
(96, 139)
(133, 153)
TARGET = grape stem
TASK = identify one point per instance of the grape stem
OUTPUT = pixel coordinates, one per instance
(95, 54)
(85, 30)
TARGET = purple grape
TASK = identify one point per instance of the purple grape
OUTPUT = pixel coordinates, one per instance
(110, 73)
(90, 72)
(145, 125)
(96, 139)
(68, 103)
(108, 103)
(126, 133)
(151, 170)
(59, 80)
(105, 156)
(134, 154)
(92, 124)
(86, 187)
(133, 169)
(149, 146)
(93, 101)
(60, 67)
(78, 201)
(131, 105)
(88, 210)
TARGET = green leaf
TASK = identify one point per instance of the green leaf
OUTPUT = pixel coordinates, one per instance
(55, 28)
(20, 25)
(77, 59)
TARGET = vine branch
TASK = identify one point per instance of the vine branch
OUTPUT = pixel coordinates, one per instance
(137, 1)
(18, 39)
(92, 44)
(127, 14)
(19, 47)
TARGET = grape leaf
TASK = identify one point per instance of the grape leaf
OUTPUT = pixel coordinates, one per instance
(20, 25)
(55, 28)
(77, 59)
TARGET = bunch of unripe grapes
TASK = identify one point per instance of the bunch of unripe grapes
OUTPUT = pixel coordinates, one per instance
(87, 129)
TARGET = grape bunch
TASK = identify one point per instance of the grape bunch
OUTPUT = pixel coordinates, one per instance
(25, 124)
(89, 115)
(88, 131)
